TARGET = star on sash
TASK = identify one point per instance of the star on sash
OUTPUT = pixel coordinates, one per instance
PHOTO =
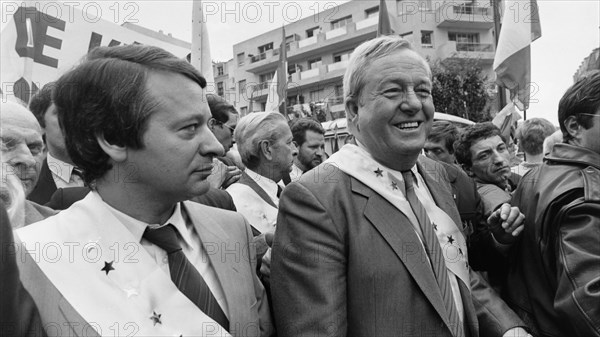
(156, 318)
(378, 172)
(108, 267)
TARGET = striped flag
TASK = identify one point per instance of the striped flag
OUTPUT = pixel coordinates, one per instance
(282, 74)
(200, 57)
(512, 64)
(384, 26)
(273, 97)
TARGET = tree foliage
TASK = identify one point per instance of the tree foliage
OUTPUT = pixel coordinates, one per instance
(459, 89)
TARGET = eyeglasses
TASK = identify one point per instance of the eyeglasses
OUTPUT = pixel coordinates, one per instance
(232, 129)
(593, 115)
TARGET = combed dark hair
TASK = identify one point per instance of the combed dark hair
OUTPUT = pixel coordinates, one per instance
(301, 125)
(444, 131)
(40, 103)
(531, 134)
(582, 101)
(219, 108)
(107, 95)
(471, 135)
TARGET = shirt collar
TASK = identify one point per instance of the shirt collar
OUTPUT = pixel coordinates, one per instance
(396, 174)
(137, 227)
(265, 183)
(60, 168)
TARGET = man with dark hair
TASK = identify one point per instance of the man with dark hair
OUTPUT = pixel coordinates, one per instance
(554, 277)
(440, 142)
(136, 121)
(530, 136)
(482, 152)
(57, 170)
(309, 138)
(222, 124)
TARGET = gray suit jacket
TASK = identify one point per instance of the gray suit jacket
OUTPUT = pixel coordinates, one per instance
(346, 262)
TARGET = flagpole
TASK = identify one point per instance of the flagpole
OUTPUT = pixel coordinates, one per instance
(496, 7)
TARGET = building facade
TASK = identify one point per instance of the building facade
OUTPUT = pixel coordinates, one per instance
(319, 46)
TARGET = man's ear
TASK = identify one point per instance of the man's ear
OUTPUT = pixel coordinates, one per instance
(265, 149)
(352, 112)
(211, 124)
(573, 127)
(117, 153)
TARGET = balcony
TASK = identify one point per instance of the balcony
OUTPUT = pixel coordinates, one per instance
(457, 50)
(335, 33)
(465, 16)
(367, 23)
(337, 66)
(307, 42)
(321, 43)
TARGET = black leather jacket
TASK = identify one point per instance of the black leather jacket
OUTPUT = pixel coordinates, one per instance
(554, 277)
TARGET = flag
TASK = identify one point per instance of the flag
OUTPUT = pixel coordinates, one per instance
(512, 62)
(282, 75)
(384, 26)
(506, 120)
(273, 97)
(200, 57)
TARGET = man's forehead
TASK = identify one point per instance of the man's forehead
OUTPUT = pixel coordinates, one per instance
(486, 143)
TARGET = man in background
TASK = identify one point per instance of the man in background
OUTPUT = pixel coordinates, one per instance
(309, 138)
(530, 137)
(57, 170)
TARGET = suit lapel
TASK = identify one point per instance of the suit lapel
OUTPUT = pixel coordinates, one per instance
(441, 195)
(399, 234)
(214, 237)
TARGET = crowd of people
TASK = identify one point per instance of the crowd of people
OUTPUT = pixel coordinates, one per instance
(133, 203)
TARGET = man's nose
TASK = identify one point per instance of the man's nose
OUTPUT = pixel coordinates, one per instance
(411, 104)
(210, 146)
(294, 149)
(21, 155)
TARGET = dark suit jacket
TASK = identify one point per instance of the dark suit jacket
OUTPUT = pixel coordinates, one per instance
(45, 186)
(18, 314)
(347, 262)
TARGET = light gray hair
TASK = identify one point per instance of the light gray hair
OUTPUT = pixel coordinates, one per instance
(253, 129)
(364, 55)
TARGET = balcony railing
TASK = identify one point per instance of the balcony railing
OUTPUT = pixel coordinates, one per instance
(476, 47)
(470, 9)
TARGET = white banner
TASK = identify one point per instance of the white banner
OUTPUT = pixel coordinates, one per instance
(40, 43)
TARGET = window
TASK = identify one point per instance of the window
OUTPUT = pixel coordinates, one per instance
(293, 68)
(315, 63)
(371, 12)
(343, 56)
(266, 77)
(312, 31)
(242, 88)
(220, 91)
(464, 41)
(341, 22)
(265, 47)
(240, 59)
(220, 71)
(317, 95)
(426, 39)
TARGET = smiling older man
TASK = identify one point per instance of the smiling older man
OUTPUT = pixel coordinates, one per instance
(358, 248)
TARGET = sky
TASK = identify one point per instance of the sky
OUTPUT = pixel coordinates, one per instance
(570, 31)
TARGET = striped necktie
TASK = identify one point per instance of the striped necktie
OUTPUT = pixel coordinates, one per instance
(434, 251)
(185, 276)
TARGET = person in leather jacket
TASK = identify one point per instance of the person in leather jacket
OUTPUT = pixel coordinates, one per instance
(554, 273)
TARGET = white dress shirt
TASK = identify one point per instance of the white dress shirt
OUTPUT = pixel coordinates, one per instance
(190, 244)
(62, 173)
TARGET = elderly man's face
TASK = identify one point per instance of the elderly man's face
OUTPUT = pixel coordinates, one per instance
(395, 110)
(283, 151)
(491, 161)
(23, 147)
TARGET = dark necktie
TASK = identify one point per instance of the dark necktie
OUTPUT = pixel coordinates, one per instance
(185, 276)
(77, 172)
(434, 251)
(279, 190)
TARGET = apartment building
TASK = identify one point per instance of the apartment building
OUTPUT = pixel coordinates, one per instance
(318, 48)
